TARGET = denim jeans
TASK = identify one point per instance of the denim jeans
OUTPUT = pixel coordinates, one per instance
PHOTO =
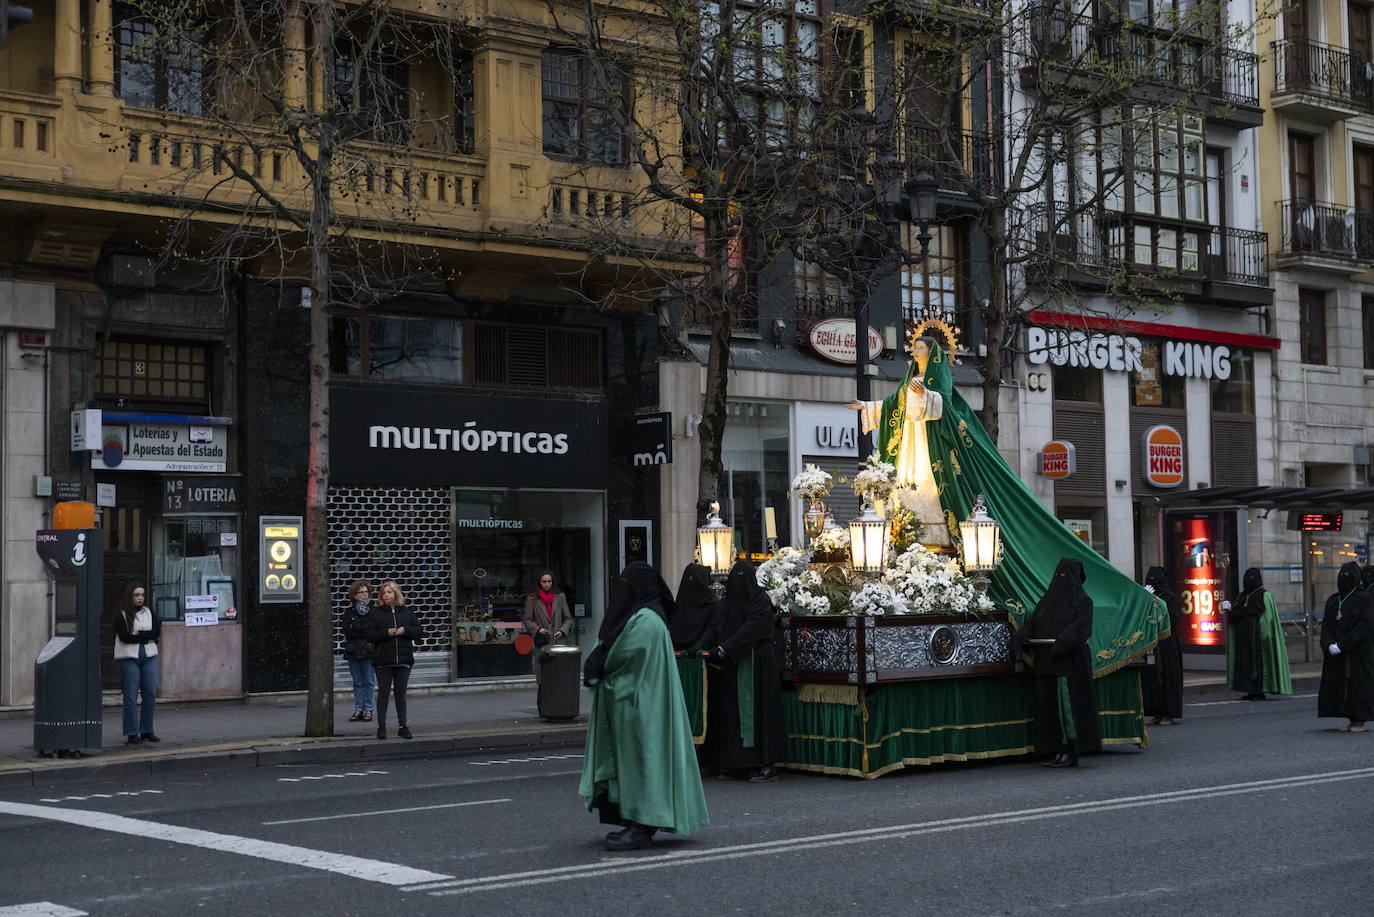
(364, 684)
(138, 676)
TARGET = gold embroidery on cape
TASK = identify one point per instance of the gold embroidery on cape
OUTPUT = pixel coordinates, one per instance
(952, 523)
(963, 433)
(954, 463)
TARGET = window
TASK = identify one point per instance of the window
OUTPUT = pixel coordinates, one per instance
(932, 289)
(777, 52)
(141, 370)
(1153, 164)
(1076, 383)
(189, 558)
(374, 87)
(534, 357)
(161, 65)
(464, 98)
(1151, 387)
(1367, 308)
(579, 118)
(1236, 395)
(395, 348)
(1312, 325)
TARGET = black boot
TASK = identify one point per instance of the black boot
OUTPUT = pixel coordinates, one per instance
(1068, 760)
(1057, 760)
(634, 837)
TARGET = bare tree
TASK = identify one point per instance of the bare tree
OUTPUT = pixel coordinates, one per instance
(289, 132)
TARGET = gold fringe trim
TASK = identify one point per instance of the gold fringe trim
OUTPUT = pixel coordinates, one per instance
(810, 693)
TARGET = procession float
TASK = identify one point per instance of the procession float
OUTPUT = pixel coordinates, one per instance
(896, 628)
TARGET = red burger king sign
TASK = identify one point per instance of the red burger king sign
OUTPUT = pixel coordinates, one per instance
(1162, 458)
(1057, 460)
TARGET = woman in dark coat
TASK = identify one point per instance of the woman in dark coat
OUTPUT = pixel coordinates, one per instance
(744, 731)
(1063, 702)
(1245, 649)
(1162, 684)
(394, 630)
(1347, 687)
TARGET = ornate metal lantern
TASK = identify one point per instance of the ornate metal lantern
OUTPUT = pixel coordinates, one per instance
(869, 536)
(980, 544)
(716, 542)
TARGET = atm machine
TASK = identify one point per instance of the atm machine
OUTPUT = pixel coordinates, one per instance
(66, 675)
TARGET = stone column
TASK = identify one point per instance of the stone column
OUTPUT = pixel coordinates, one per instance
(102, 48)
(67, 76)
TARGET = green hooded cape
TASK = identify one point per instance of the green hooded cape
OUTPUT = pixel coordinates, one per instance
(1127, 620)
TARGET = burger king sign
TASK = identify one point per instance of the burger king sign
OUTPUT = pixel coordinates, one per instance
(1162, 458)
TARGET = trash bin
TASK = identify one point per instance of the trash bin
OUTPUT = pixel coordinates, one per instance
(560, 682)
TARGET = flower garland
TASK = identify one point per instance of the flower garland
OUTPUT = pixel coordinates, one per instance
(931, 583)
(877, 599)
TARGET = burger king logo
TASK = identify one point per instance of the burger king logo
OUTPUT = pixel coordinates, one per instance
(1162, 458)
(1057, 460)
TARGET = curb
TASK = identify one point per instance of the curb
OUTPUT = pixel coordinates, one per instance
(291, 752)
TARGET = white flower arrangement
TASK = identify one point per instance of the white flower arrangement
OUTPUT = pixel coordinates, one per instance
(831, 541)
(875, 479)
(792, 585)
(812, 484)
(877, 599)
(930, 583)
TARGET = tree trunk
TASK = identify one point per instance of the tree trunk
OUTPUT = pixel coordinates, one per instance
(319, 709)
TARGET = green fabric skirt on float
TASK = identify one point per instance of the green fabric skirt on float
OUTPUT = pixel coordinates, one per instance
(836, 729)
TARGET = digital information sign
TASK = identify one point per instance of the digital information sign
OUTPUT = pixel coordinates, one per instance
(1201, 556)
(281, 559)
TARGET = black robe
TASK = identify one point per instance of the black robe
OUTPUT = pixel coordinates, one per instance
(1347, 687)
(1063, 669)
(744, 628)
(1247, 673)
(696, 606)
(1162, 684)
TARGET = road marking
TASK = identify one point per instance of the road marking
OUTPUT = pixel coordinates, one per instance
(446, 805)
(355, 867)
(100, 796)
(523, 760)
(1223, 703)
(40, 909)
(870, 835)
(328, 776)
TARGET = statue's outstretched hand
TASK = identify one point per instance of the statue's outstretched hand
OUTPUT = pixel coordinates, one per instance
(855, 405)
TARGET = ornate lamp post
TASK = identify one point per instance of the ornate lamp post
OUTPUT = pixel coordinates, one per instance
(716, 543)
(980, 544)
(869, 536)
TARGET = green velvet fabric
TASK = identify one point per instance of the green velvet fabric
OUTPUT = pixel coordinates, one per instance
(691, 671)
(1127, 620)
(937, 720)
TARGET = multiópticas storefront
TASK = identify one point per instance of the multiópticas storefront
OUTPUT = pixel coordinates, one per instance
(463, 499)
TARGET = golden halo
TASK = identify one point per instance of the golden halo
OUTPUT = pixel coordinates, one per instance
(942, 329)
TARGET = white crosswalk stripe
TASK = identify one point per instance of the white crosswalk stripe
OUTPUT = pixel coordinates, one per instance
(328, 776)
(524, 760)
(101, 796)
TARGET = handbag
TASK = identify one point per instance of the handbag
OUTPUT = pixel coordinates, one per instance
(358, 648)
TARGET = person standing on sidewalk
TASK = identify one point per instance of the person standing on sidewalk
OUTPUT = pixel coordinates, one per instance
(137, 631)
(1273, 647)
(393, 630)
(1244, 655)
(1162, 682)
(358, 651)
(1347, 687)
(546, 617)
(640, 768)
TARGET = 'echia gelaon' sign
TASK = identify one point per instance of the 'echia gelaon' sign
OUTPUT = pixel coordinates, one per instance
(1162, 458)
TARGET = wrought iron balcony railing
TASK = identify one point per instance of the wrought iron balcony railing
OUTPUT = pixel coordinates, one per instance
(953, 157)
(1314, 69)
(1330, 230)
(815, 307)
(1238, 256)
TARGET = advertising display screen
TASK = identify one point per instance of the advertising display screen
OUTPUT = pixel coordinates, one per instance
(1201, 556)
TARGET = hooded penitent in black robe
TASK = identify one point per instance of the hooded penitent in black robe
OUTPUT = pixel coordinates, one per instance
(1062, 700)
(1348, 678)
(1162, 683)
(1243, 621)
(744, 697)
(1367, 578)
(696, 606)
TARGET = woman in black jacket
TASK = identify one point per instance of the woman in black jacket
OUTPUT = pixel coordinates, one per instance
(393, 630)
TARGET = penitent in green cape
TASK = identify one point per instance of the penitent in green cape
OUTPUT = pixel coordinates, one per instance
(1278, 677)
(640, 754)
(1127, 620)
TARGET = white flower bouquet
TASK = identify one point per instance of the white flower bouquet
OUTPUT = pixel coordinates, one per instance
(831, 541)
(931, 584)
(791, 584)
(877, 599)
(875, 480)
(812, 484)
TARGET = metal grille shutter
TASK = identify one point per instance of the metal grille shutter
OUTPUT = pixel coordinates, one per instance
(527, 357)
(489, 354)
(1235, 457)
(1082, 426)
(1143, 419)
(575, 359)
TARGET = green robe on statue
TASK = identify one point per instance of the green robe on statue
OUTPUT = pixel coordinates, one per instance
(640, 756)
(1127, 620)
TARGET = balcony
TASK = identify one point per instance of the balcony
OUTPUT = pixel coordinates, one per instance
(1325, 237)
(1319, 82)
(962, 161)
(1098, 249)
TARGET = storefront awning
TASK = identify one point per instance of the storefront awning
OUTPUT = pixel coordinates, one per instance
(1280, 497)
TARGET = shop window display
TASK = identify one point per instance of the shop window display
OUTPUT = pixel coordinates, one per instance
(756, 454)
(190, 559)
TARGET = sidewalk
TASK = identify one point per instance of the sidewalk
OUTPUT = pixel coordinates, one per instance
(266, 731)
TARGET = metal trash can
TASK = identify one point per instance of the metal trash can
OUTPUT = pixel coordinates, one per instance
(560, 682)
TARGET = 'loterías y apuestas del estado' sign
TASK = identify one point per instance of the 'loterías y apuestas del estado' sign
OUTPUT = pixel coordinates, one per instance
(1066, 347)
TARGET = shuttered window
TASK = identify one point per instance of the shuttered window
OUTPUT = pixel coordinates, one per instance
(1081, 424)
(1234, 456)
(537, 357)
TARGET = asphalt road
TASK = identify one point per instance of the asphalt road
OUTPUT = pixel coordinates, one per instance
(1242, 809)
